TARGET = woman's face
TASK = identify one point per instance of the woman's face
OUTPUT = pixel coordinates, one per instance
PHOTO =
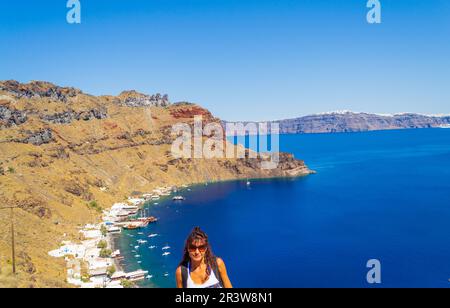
(197, 250)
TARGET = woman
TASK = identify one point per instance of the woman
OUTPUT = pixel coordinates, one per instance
(199, 268)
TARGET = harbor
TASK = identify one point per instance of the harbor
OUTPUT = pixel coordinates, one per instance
(94, 262)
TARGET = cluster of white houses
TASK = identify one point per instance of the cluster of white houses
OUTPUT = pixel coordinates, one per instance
(87, 256)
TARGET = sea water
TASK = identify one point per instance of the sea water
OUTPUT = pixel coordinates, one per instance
(377, 195)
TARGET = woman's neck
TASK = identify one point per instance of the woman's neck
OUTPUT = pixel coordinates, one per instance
(196, 264)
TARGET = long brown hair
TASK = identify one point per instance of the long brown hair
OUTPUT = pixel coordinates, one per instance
(210, 259)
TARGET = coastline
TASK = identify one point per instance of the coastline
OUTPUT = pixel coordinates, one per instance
(76, 278)
(110, 241)
(202, 184)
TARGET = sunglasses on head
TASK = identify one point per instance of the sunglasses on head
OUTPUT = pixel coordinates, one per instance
(201, 248)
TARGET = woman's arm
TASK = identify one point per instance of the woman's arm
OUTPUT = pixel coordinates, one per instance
(179, 278)
(223, 274)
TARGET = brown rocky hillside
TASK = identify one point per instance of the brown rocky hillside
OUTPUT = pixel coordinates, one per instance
(61, 149)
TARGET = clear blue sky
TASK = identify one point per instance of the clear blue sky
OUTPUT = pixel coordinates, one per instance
(242, 59)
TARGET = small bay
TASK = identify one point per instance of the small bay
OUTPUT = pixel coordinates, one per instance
(377, 195)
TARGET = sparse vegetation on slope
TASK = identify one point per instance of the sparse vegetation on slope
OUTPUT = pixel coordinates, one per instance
(60, 170)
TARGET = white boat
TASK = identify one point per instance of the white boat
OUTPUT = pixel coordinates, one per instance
(136, 247)
(166, 274)
(178, 198)
(149, 277)
(141, 241)
(137, 256)
(113, 230)
(152, 247)
(166, 253)
(165, 247)
(153, 235)
(444, 126)
(137, 275)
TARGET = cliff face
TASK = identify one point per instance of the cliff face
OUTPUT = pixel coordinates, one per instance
(340, 122)
(357, 122)
(61, 149)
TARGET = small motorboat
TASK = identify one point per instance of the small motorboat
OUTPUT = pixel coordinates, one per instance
(131, 227)
(141, 241)
(166, 253)
(178, 198)
(165, 247)
(152, 247)
(149, 219)
(153, 235)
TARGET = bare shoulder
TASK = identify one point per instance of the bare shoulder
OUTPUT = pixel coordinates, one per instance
(178, 271)
(223, 273)
(220, 263)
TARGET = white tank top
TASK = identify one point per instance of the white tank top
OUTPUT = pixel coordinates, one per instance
(212, 281)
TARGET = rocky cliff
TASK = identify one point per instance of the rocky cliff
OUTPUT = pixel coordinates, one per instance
(357, 122)
(61, 149)
(340, 122)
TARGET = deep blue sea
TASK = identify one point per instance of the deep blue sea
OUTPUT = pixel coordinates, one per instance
(376, 195)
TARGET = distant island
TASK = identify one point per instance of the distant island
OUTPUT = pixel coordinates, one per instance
(348, 121)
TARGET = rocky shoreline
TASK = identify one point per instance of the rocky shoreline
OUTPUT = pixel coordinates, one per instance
(65, 156)
(105, 280)
(347, 121)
